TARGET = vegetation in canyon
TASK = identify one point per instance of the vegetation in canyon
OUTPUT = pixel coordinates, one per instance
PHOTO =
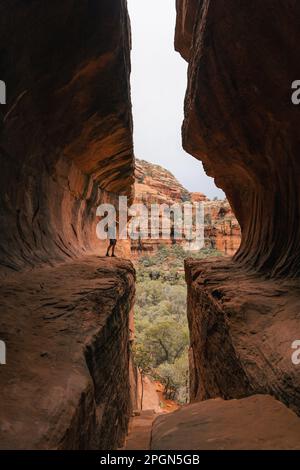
(162, 336)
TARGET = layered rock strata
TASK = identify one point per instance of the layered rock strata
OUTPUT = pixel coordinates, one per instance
(240, 120)
(241, 123)
(66, 130)
(65, 147)
(156, 185)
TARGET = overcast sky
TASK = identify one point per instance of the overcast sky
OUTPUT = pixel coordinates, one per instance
(158, 86)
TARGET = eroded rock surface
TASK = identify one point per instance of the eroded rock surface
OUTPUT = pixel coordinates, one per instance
(65, 147)
(240, 121)
(242, 328)
(255, 423)
(156, 185)
(66, 382)
(221, 230)
(66, 130)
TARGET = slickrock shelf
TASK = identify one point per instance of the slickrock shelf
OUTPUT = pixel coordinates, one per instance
(66, 382)
(254, 423)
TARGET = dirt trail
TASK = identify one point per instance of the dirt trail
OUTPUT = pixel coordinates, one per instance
(139, 437)
(140, 429)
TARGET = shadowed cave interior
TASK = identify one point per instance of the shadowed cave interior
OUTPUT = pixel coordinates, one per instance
(66, 145)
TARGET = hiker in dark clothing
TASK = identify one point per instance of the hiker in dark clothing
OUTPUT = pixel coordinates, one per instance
(112, 241)
(140, 244)
(172, 235)
(112, 244)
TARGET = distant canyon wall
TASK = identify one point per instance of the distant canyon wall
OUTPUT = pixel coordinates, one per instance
(156, 185)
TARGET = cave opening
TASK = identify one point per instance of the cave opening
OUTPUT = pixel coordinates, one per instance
(158, 86)
(66, 146)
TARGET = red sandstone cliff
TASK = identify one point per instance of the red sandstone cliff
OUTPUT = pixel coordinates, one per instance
(66, 130)
(240, 122)
(222, 230)
(65, 146)
(155, 184)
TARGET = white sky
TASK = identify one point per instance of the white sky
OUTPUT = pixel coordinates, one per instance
(159, 77)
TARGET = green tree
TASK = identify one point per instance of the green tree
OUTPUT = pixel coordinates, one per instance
(175, 378)
(143, 360)
(166, 340)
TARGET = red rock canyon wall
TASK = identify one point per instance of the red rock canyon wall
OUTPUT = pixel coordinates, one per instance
(65, 146)
(240, 121)
(66, 130)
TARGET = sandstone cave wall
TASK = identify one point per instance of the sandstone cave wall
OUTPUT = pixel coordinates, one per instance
(66, 130)
(240, 121)
(66, 384)
(241, 331)
(65, 146)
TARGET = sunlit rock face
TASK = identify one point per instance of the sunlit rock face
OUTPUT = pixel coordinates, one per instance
(66, 130)
(222, 230)
(240, 121)
(156, 185)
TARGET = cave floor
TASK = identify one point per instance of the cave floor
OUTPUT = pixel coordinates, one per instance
(139, 435)
(258, 422)
(47, 390)
(48, 319)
